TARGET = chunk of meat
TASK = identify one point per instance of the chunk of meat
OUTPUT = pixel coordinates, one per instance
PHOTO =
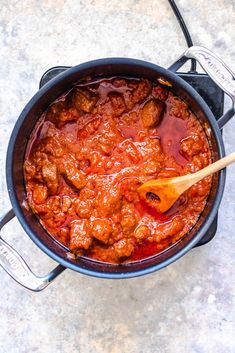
(119, 82)
(170, 228)
(55, 110)
(97, 166)
(72, 174)
(64, 234)
(129, 218)
(109, 137)
(59, 113)
(118, 103)
(110, 201)
(39, 158)
(128, 119)
(84, 208)
(50, 175)
(83, 100)
(75, 177)
(129, 187)
(142, 90)
(178, 108)
(40, 193)
(84, 165)
(191, 146)
(160, 93)
(142, 232)
(79, 237)
(123, 248)
(66, 203)
(151, 167)
(30, 169)
(54, 219)
(53, 144)
(101, 229)
(152, 113)
(106, 145)
(89, 192)
(128, 224)
(54, 204)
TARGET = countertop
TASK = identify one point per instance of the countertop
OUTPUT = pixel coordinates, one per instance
(188, 307)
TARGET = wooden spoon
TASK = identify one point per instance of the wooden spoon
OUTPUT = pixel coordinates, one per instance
(162, 193)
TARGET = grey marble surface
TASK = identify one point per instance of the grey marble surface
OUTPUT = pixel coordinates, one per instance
(187, 307)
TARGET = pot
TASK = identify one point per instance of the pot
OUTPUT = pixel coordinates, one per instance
(12, 262)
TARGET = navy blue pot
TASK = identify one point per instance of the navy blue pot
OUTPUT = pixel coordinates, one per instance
(16, 188)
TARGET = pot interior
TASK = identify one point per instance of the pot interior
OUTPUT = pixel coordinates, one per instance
(23, 129)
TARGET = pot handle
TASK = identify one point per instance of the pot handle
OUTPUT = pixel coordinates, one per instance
(17, 268)
(218, 71)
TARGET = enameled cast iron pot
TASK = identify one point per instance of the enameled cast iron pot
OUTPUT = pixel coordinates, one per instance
(13, 263)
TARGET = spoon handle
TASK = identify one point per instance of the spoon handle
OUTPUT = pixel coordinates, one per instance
(213, 168)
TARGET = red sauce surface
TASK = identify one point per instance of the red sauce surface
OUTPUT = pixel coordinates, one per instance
(91, 150)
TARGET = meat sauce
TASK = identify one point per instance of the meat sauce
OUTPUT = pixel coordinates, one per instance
(92, 149)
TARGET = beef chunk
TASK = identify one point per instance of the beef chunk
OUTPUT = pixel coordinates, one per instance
(101, 229)
(123, 248)
(30, 169)
(192, 146)
(106, 145)
(109, 201)
(59, 113)
(83, 101)
(128, 224)
(129, 218)
(54, 111)
(142, 232)
(54, 204)
(66, 203)
(50, 175)
(74, 176)
(79, 237)
(168, 229)
(84, 208)
(142, 90)
(152, 112)
(109, 138)
(177, 107)
(160, 93)
(118, 103)
(40, 193)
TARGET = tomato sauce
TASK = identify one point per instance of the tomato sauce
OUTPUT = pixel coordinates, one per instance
(92, 149)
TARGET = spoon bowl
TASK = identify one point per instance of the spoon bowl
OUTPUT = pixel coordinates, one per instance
(163, 193)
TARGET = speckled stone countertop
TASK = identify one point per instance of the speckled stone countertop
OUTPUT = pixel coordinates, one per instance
(188, 307)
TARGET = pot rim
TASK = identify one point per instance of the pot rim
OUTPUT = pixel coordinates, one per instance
(43, 91)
